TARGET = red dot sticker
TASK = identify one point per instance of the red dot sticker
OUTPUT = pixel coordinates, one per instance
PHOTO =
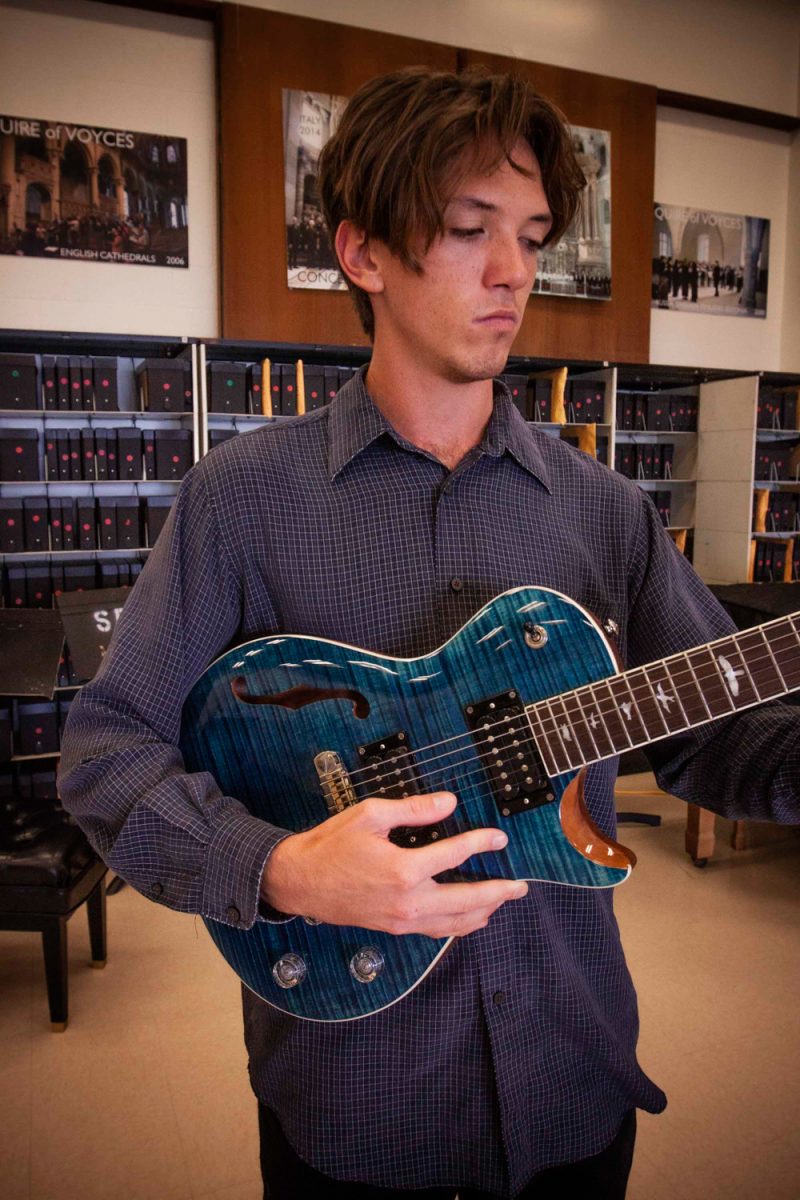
(175, 458)
(18, 449)
(104, 382)
(49, 383)
(38, 728)
(36, 518)
(166, 387)
(11, 522)
(86, 526)
(107, 521)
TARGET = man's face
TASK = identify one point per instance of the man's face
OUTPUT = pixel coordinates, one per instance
(459, 317)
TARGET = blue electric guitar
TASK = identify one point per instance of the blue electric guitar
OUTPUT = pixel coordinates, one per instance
(507, 714)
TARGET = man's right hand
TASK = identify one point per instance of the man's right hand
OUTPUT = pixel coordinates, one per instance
(345, 871)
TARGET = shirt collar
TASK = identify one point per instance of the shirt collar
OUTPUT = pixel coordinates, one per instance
(355, 421)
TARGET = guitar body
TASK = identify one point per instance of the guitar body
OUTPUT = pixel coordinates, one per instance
(262, 714)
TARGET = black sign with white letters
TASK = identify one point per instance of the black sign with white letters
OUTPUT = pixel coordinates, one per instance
(90, 618)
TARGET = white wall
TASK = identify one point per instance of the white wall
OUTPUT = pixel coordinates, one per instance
(725, 166)
(93, 64)
(743, 51)
(152, 73)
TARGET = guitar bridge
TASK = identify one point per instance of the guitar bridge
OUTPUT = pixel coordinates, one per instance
(395, 778)
(508, 753)
(334, 781)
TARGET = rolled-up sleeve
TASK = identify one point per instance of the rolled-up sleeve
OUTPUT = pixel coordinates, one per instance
(172, 835)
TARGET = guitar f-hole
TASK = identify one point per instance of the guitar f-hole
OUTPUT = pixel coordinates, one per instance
(298, 697)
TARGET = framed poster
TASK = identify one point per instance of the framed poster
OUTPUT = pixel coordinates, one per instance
(579, 266)
(309, 119)
(709, 262)
(89, 193)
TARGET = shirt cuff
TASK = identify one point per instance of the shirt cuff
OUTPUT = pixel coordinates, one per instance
(235, 861)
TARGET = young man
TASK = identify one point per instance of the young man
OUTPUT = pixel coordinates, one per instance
(386, 521)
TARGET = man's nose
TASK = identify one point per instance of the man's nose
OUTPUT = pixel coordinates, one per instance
(509, 265)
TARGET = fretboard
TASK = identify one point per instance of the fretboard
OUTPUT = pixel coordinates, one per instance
(667, 697)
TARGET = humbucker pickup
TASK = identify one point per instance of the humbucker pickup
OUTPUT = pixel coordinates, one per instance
(508, 753)
(396, 777)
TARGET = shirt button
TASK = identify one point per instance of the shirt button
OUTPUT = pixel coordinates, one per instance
(499, 997)
(456, 584)
(233, 914)
(157, 889)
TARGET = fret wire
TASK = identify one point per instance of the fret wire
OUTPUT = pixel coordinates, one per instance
(582, 716)
(544, 744)
(725, 691)
(765, 640)
(615, 708)
(642, 722)
(791, 620)
(599, 711)
(655, 700)
(675, 692)
(548, 706)
(588, 724)
(743, 660)
(572, 736)
(698, 684)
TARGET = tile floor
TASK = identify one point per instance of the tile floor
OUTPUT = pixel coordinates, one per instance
(145, 1096)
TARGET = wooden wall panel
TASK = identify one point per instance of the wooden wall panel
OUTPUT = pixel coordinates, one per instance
(617, 330)
(261, 53)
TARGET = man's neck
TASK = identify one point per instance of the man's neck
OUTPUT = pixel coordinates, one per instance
(445, 418)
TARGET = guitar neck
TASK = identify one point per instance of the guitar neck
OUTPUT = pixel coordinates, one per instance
(645, 704)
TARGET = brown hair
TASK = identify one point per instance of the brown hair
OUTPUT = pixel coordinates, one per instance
(407, 139)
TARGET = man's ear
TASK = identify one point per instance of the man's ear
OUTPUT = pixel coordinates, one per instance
(356, 259)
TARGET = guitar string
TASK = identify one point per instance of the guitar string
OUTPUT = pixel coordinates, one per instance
(583, 691)
(571, 766)
(625, 678)
(485, 761)
(543, 712)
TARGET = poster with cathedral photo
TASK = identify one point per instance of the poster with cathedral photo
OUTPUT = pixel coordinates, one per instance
(709, 262)
(579, 264)
(90, 193)
(309, 119)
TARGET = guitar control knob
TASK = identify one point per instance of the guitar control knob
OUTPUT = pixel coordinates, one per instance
(289, 971)
(366, 964)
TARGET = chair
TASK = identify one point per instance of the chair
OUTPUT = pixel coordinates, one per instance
(47, 871)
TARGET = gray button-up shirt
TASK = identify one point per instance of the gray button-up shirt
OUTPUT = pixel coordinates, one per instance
(518, 1050)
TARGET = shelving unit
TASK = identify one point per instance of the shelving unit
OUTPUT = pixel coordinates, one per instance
(48, 424)
(728, 520)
